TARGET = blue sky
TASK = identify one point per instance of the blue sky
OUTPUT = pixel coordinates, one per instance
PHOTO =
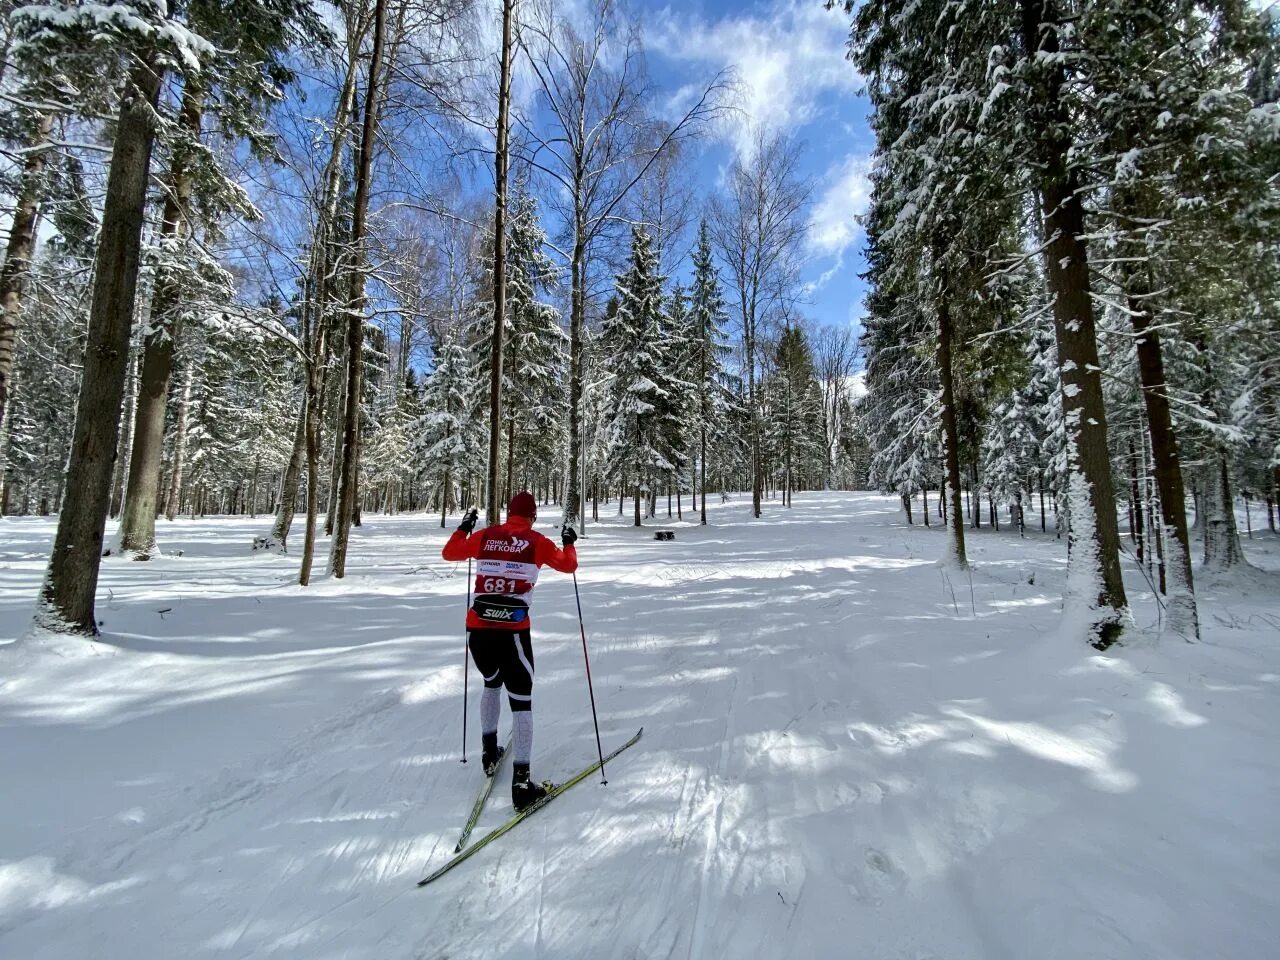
(788, 56)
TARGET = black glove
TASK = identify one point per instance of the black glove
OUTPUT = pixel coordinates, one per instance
(469, 521)
(568, 537)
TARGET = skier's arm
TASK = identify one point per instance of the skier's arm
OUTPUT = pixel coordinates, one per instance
(464, 545)
(460, 546)
(549, 555)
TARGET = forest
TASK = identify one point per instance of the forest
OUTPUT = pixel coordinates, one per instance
(882, 395)
(307, 262)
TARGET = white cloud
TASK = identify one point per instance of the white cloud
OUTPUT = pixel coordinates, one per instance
(844, 192)
(857, 385)
(785, 57)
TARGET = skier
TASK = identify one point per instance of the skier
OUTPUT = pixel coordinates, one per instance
(509, 556)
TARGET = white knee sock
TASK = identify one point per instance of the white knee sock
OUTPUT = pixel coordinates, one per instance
(522, 723)
(490, 709)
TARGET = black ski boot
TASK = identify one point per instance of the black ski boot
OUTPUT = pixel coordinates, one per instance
(523, 793)
(490, 753)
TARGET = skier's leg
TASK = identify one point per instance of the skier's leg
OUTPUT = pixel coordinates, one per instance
(485, 651)
(518, 678)
(519, 682)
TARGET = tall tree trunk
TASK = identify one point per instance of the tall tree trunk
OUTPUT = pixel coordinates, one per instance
(1222, 549)
(757, 481)
(318, 353)
(6, 474)
(67, 597)
(1275, 492)
(121, 468)
(313, 494)
(975, 505)
(507, 490)
(253, 487)
(1135, 505)
(347, 501)
(1093, 568)
(703, 482)
(173, 500)
(950, 436)
(22, 238)
(317, 297)
(500, 160)
(287, 507)
(577, 325)
(141, 501)
(335, 454)
(1166, 465)
(444, 500)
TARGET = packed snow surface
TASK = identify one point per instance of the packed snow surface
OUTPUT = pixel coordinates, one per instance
(848, 752)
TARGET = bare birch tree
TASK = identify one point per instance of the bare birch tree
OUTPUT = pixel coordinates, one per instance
(758, 229)
(595, 147)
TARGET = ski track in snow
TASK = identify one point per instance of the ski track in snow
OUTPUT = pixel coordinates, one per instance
(847, 752)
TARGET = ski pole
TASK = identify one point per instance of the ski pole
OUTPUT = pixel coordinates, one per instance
(466, 663)
(590, 689)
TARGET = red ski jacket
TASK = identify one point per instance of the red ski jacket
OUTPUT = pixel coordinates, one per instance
(509, 556)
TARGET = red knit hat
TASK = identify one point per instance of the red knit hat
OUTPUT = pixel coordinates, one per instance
(523, 505)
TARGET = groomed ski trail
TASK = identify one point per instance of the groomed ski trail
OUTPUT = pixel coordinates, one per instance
(836, 760)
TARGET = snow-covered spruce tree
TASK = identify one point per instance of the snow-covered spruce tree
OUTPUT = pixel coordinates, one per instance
(536, 354)
(795, 416)
(1224, 280)
(30, 191)
(708, 355)
(47, 360)
(535, 347)
(37, 434)
(388, 461)
(1023, 434)
(54, 38)
(230, 97)
(1011, 77)
(448, 435)
(630, 339)
(900, 409)
(47, 99)
(1169, 129)
(676, 343)
(1034, 90)
(232, 429)
(941, 221)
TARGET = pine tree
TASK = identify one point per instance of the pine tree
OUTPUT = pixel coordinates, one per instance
(536, 355)
(448, 434)
(795, 421)
(631, 339)
(710, 349)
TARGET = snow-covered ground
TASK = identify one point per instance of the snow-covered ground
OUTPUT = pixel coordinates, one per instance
(847, 753)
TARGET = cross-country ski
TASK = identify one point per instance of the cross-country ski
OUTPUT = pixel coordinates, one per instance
(552, 791)
(486, 788)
